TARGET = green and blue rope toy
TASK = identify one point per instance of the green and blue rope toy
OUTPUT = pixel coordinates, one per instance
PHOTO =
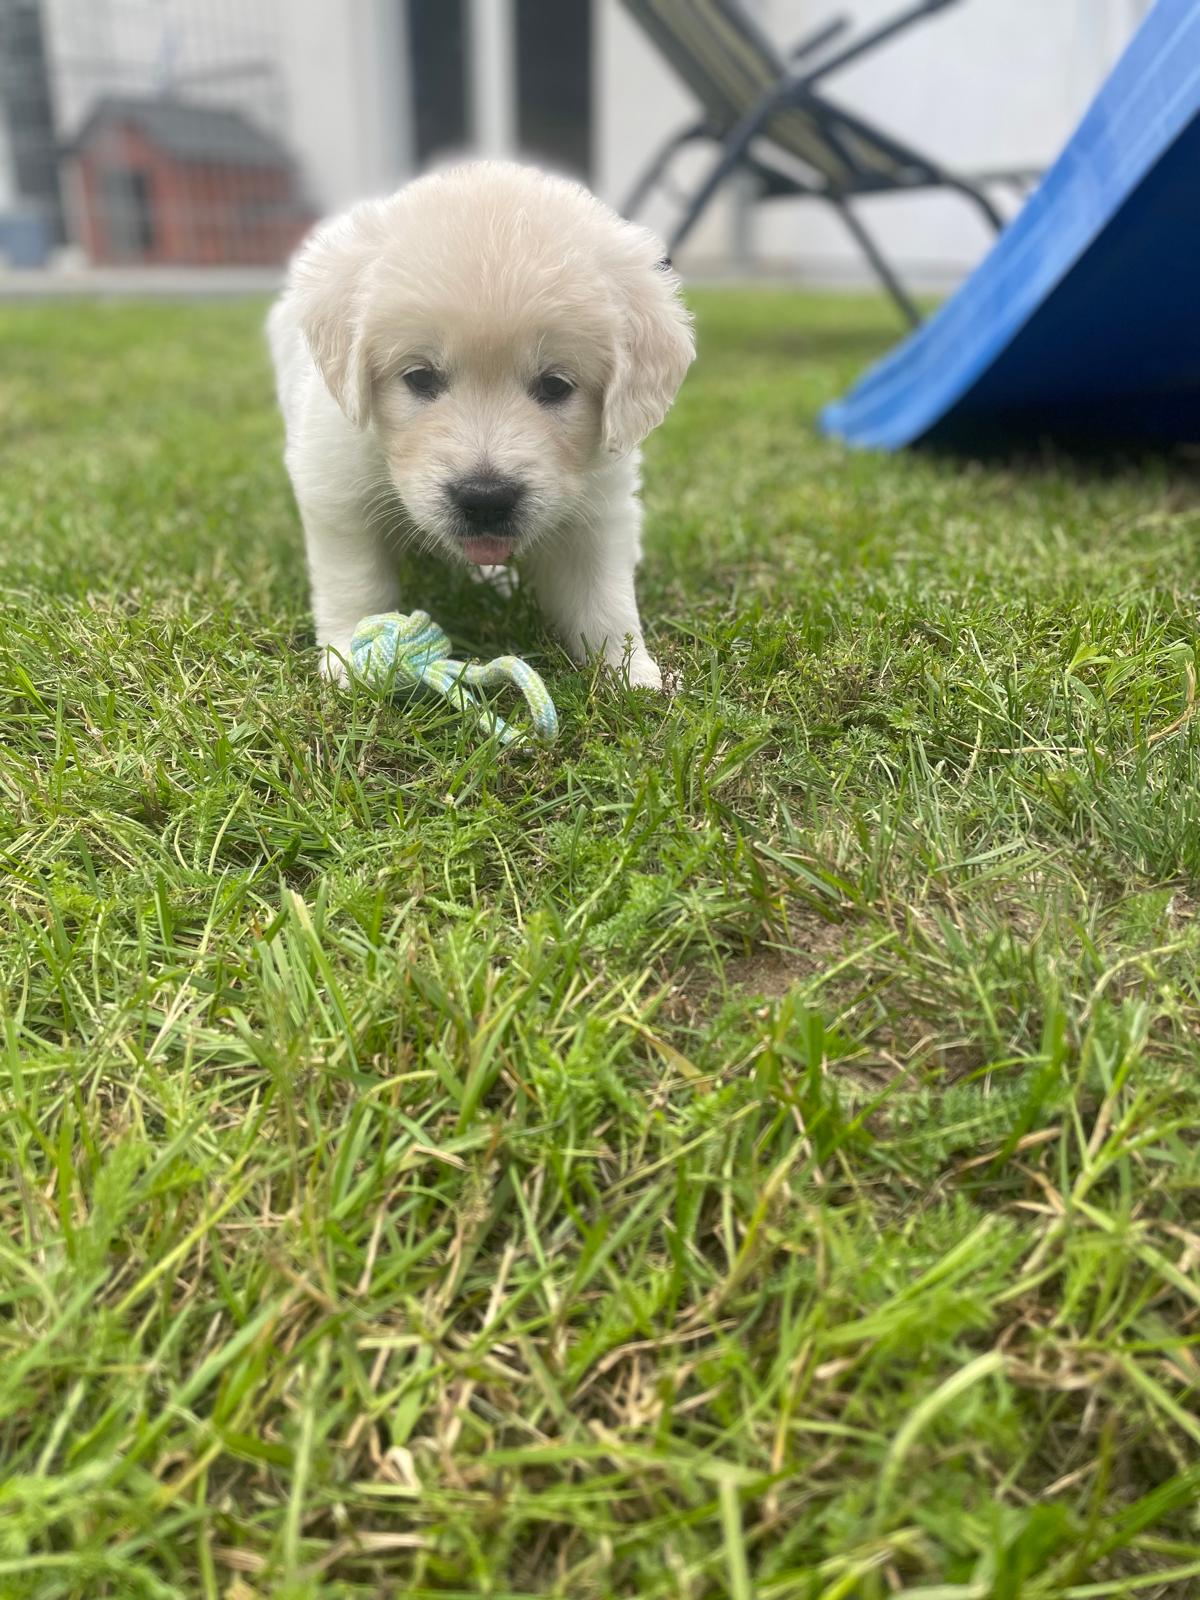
(394, 651)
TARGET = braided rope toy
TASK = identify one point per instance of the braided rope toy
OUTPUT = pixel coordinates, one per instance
(392, 650)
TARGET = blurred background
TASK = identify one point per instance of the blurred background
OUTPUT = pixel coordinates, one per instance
(166, 142)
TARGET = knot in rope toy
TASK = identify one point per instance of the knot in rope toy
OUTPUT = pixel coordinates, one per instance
(392, 651)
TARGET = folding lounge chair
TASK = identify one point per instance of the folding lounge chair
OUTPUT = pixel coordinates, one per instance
(768, 118)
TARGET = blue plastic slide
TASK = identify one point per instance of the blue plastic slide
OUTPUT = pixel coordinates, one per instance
(1084, 320)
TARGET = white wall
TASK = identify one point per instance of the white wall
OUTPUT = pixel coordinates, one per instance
(346, 73)
(987, 84)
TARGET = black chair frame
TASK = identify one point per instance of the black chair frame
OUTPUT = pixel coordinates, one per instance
(796, 91)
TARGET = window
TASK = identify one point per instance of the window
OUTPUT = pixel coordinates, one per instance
(554, 83)
(438, 56)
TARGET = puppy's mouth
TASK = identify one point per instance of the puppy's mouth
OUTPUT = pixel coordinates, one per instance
(489, 549)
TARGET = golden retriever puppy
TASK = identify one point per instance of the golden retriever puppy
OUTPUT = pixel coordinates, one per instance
(470, 365)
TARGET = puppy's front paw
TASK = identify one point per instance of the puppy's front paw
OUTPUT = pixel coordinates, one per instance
(333, 664)
(644, 674)
(503, 580)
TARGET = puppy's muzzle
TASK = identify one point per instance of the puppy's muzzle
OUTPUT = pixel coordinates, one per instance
(487, 504)
(487, 510)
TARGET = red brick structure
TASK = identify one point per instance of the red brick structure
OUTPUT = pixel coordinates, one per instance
(164, 181)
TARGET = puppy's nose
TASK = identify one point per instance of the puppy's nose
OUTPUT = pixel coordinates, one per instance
(486, 501)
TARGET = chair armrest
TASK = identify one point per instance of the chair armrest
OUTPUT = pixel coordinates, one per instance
(812, 42)
(867, 42)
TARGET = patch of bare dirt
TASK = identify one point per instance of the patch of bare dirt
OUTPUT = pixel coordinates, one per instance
(771, 971)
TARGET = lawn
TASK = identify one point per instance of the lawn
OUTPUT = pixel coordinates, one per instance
(747, 1149)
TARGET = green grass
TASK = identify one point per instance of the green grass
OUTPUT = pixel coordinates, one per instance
(746, 1150)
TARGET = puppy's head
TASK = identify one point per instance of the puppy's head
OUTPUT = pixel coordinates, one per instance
(503, 333)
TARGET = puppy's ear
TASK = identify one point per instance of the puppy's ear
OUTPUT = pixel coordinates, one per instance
(654, 345)
(328, 283)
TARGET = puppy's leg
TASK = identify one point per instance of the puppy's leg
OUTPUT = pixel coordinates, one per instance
(351, 573)
(584, 584)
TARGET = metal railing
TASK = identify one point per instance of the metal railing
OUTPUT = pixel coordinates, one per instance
(146, 133)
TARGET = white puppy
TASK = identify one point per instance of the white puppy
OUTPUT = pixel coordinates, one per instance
(471, 365)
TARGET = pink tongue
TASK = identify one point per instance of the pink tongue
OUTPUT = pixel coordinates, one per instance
(492, 552)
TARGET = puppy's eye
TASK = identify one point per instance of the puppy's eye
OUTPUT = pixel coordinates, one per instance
(423, 381)
(551, 389)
